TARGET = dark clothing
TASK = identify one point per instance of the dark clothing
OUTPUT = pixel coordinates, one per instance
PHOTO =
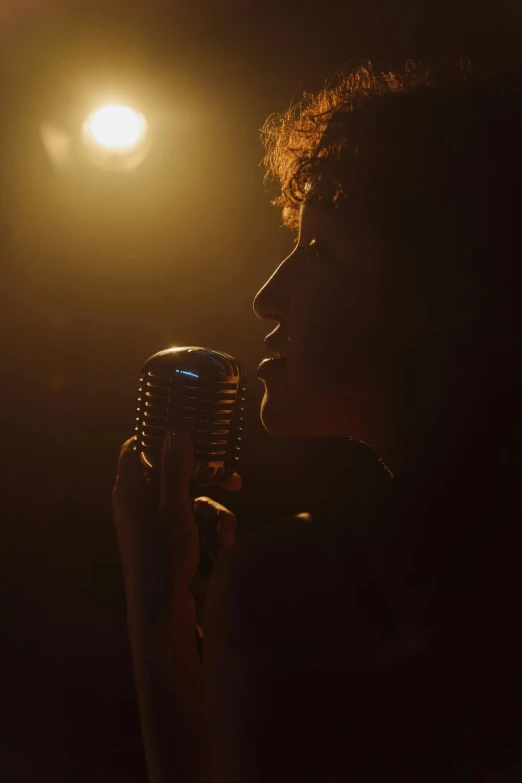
(383, 641)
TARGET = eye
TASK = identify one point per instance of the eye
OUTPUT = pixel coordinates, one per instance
(313, 252)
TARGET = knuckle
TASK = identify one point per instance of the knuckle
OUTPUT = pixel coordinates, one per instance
(220, 506)
(124, 447)
(127, 447)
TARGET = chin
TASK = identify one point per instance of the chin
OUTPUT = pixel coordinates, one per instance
(286, 420)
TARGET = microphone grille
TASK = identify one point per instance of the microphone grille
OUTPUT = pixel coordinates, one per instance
(203, 389)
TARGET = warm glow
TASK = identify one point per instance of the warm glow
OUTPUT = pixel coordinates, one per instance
(116, 127)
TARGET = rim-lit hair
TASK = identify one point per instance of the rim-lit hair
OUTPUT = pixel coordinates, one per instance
(429, 155)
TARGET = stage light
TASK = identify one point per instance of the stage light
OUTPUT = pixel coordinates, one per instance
(116, 127)
(116, 137)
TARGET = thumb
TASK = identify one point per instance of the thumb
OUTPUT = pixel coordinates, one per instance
(177, 466)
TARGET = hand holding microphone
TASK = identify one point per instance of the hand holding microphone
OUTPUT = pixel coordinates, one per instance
(160, 542)
(188, 422)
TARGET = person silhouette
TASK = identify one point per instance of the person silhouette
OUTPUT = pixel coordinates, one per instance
(379, 639)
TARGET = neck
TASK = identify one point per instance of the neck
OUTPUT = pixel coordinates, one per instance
(445, 413)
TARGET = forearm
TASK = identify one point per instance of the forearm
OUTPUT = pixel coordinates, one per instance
(168, 676)
(159, 548)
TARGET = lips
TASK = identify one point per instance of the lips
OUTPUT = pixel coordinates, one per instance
(276, 343)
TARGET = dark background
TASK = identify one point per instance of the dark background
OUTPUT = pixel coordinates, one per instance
(101, 269)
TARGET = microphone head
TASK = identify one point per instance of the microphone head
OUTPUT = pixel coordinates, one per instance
(201, 389)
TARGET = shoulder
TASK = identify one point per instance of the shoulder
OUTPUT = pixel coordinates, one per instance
(294, 537)
(249, 574)
(300, 584)
(294, 553)
(292, 626)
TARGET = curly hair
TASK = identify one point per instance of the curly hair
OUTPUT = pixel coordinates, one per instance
(325, 133)
(432, 155)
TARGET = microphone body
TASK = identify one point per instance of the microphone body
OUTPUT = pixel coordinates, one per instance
(201, 389)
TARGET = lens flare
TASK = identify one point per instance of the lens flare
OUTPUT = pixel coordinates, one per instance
(116, 127)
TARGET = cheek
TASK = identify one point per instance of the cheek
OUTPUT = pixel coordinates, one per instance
(337, 329)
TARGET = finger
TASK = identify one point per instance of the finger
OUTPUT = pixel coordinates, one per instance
(233, 483)
(208, 507)
(204, 506)
(223, 518)
(226, 531)
(128, 449)
(131, 486)
(177, 466)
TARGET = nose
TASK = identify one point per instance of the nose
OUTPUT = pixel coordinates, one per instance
(271, 301)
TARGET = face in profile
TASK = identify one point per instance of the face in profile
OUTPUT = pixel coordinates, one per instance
(337, 330)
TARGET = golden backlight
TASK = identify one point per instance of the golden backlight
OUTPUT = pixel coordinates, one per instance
(116, 127)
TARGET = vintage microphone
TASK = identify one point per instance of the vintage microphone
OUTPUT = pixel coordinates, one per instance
(201, 389)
